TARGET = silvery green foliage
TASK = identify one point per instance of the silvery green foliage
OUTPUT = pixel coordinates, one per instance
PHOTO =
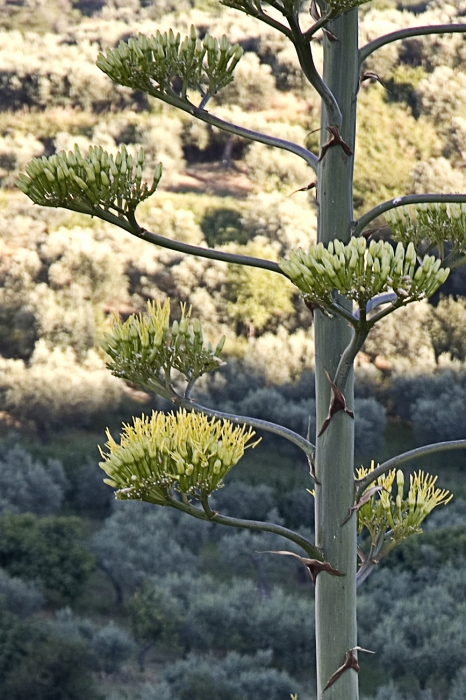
(440, 417)
(235, 617)
(415, 622)
(54, 389)
(230, 678)
(92, 496)
(27, 486)
(247, 554)
(458, 689)
(435, 404)
(132, 545)
(108, 647)
(453, 516)
(369, 426)
(20, 598)
(244, 501)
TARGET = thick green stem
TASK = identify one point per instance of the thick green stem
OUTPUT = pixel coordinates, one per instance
(336, 597)
(210, 253)
(213, 517)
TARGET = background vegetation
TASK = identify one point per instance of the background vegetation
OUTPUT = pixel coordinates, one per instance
(127, 602)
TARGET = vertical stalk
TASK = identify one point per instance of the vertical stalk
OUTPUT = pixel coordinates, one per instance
(336, 631)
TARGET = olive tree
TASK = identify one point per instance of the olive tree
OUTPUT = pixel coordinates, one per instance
(348, 282)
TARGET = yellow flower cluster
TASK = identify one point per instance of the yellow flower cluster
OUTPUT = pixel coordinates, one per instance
(156, 61)
(184, 452)
(144, 349)
(390, 512)
(360, 271)
(87, 184)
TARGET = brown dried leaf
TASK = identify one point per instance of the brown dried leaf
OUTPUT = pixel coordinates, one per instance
(314, 11)
(306, 188)
(330, 36)
(373, 77)
(314, 566)
(335, 140)
(366, 496)
(337, 403)
(350, 662)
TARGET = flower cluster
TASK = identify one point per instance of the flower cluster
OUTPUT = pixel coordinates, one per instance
(388, 514)
(164, 64)
(342, 6)
(430, 223)
(145, 348)
(92, 184)
(184, 452)
(360, 272)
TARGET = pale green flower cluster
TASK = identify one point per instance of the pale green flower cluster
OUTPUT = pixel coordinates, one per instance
(145, 348)
(184, 452)
(429, 223)
(170, 65)
(360, 272)
(99, 181)
(389, 515)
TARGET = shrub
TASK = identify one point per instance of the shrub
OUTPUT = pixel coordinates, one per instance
(30, 487)
(47, 550)
(18, 597)
(110, 648)
(446, 328)
(131, 546)
(36, 663)
(55, 390)
(236, 618)
(232, 678)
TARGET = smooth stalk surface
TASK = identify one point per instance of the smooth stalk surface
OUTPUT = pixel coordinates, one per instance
(336, 596)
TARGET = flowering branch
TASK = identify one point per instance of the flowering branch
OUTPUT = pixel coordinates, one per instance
(380, 209)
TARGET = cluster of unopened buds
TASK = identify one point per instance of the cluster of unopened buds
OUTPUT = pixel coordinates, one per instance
(185, 452)
(157, 61)
(437, 223)
(145, 348)
(360, 272)
(389, 511)
(345, 5)
(98, 181)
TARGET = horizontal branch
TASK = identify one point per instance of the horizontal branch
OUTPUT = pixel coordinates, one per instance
(400, 34)
(231, 128)
(256, 525)
(397, 461)
(210, 253)
(365, 219)
(307, 447)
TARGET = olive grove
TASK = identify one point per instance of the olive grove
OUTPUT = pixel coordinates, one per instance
(351, 280)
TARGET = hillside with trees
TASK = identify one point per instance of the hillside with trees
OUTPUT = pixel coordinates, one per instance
(121, 601)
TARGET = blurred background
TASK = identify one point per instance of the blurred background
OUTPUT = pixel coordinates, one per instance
(125, 601)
